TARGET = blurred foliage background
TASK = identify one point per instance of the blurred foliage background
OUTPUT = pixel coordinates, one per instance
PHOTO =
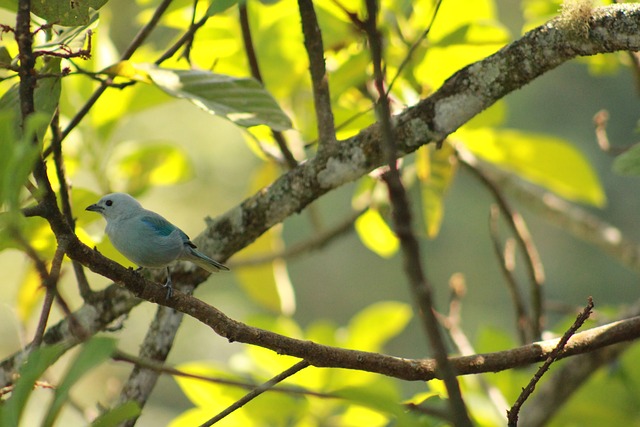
(187, 164)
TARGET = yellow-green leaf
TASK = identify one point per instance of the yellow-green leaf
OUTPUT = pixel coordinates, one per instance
(548, 161)
(376, 235)
(268, 283)
(372, 327)
(435, 169)
(30, 294)
(139, 166)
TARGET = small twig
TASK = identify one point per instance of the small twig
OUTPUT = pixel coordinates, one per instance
(65, 199)
(258, 391)
(512, 414)
(129, 51)
(255, 72)
(186, 52)
(154, 365)
(414, 46)
(320, 82)
(50, 283)
(453, 323)
(515, 221)
(600, 120)
(523, 322)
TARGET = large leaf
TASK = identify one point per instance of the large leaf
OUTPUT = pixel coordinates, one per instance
(545, 160)
(242, 100)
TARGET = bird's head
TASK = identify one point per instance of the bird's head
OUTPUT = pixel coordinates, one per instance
(116, 205)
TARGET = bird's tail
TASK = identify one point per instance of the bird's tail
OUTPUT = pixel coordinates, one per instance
(203, 261)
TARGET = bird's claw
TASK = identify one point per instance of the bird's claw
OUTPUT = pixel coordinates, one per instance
(167, 285)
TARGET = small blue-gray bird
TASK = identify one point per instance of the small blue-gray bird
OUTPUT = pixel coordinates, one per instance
(146, 238)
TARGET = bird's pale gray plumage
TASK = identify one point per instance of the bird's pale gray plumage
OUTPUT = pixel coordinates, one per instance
(146, 238)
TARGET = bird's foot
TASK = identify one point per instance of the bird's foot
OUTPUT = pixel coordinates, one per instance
(168, 284)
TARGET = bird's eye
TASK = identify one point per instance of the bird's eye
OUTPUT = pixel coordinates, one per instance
(108, 202)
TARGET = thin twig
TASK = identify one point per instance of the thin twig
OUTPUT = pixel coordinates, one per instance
(128, 53)
(252, 57)
(515, 221)
(65, 200)
(523, 322)
(512, 414)
(420, 287)
(258, 391)
(453, 323)
(414, 46)
(50, 284)
(162, 368)
(320, 81)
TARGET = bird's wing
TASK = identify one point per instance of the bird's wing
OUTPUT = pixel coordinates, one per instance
(159, 224)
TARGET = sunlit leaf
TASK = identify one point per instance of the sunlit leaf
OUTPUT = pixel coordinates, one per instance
(66, 12)
(376, 235)
(139, 166)
(199, 392)
(267, 283)
(389, 318)
(463, 33)
(545, 160)
(93, 353)
(435, 169)
(30, 293)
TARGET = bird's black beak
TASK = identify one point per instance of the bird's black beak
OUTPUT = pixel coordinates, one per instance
(95, 208)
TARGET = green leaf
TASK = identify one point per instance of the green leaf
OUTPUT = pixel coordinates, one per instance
(66, 12)
(628, 163)
(548, 161)
(241, 100)
(435, 169)
(93, 353)
(46, 97)
(372, 327)
(219, 6)
(117, 415)
(376, 235)
(37, 362)
(69, 38)
(142, 165)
